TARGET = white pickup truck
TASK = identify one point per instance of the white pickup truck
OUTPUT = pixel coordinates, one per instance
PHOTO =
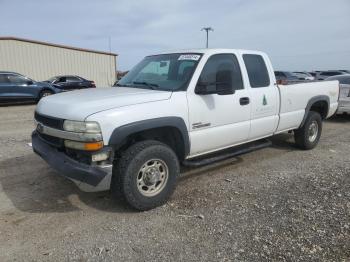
(174, 108)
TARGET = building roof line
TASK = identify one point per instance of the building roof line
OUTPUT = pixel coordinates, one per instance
(55, 45)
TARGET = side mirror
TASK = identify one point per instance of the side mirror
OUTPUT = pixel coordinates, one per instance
(223, 84)
(29, 82)
(220, 88)
(205, 88)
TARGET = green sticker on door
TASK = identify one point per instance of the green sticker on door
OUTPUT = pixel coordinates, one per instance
(264, 101)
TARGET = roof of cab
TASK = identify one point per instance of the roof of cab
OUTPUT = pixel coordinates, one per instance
(210, 51)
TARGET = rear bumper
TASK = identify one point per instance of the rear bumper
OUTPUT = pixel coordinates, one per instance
(344, 107)
(87, 178)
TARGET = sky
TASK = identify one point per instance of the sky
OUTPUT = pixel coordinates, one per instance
(296, 34)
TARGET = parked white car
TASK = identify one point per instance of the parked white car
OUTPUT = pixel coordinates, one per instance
(174, 108)
(344, 96)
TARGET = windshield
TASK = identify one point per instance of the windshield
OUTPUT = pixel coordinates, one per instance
(169, 72)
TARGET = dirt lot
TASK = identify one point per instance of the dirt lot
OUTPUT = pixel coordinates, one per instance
(278, 203)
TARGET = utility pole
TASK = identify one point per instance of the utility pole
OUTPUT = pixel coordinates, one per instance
(207, 29)
(110, 44)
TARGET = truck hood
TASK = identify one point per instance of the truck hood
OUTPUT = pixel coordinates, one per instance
(77, 105)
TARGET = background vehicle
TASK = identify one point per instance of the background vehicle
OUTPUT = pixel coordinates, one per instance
(304, 76)
(344, 96)
(325, 74)
(16, 87)
(313, 74)
(71, 82)
(285, 76)
(171, 109)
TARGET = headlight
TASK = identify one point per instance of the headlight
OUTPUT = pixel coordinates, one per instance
(81, 127)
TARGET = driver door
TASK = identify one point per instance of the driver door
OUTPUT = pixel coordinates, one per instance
(219, 121)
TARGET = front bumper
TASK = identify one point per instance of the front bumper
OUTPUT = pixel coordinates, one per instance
(87, 177)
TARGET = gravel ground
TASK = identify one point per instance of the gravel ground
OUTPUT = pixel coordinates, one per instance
(275, 204)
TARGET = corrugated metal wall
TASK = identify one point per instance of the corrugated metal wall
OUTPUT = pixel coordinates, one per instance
(40, 62)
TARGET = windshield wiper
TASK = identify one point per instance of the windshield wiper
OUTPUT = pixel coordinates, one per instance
(150, 85)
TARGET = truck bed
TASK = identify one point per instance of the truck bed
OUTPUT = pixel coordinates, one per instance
(293, 104)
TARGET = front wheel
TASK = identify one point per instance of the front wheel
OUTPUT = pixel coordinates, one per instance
(45, 93)
(145, 175)
(307, 136)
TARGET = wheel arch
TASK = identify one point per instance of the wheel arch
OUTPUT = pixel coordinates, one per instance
(318, 104)
(169, 130)
(45, 88)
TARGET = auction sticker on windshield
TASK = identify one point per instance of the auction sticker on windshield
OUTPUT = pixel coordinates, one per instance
(189, 57)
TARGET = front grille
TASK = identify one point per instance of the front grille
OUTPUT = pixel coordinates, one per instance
(54, 141)
(49, 121)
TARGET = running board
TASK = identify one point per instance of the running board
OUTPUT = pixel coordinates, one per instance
(202, 161)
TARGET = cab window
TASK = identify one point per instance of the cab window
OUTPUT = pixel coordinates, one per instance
(222, 69)
(257, 70)
(16, 79)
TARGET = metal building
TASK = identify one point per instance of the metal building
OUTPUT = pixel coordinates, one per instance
(41, 60)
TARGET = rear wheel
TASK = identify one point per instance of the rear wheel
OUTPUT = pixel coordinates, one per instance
(145, 175)
(307, 136)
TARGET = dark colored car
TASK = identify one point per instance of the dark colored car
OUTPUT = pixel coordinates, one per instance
(285, 76)
(70, 82)
(343, 79)
(314, 74)
(15, 87)
(325, 74)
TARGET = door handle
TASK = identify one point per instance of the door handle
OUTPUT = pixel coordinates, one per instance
(244, 101)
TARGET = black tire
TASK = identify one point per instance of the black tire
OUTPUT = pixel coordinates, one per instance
(127, 171)
(44, 93)
(304, 137)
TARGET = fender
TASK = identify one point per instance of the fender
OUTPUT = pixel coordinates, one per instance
(312, 101)
(122, 132)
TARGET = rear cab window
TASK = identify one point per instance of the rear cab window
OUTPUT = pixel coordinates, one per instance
(257, 71)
